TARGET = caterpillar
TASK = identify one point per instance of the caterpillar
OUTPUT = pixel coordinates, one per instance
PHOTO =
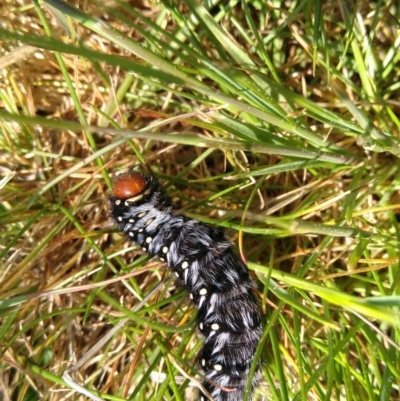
(215, 277)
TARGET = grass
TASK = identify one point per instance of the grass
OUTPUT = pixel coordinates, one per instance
(275, 120)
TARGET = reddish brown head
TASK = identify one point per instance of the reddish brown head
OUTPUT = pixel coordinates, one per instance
(128, 185)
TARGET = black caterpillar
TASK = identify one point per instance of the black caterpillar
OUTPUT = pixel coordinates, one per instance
(216, 279)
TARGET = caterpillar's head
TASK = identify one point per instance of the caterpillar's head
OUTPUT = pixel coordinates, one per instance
(129, 185)
(134, 188)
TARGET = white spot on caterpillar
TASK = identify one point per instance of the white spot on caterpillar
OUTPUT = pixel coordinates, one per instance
(201, 325)
(118, 202)
(203, 362)
(165, 249)
(140, 230)
(131, 220)
(176, 274)
(144, 249)
(148, 240)
(185, 265)
(131, 233)
(191, 296)
(215, 326)
(140, 215)
(149, 221)
(218, 367)
(162, 259)
(134, 199)
(120, 218)
(203, 291)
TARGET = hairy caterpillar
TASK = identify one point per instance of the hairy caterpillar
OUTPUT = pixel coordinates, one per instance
(216, 279)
